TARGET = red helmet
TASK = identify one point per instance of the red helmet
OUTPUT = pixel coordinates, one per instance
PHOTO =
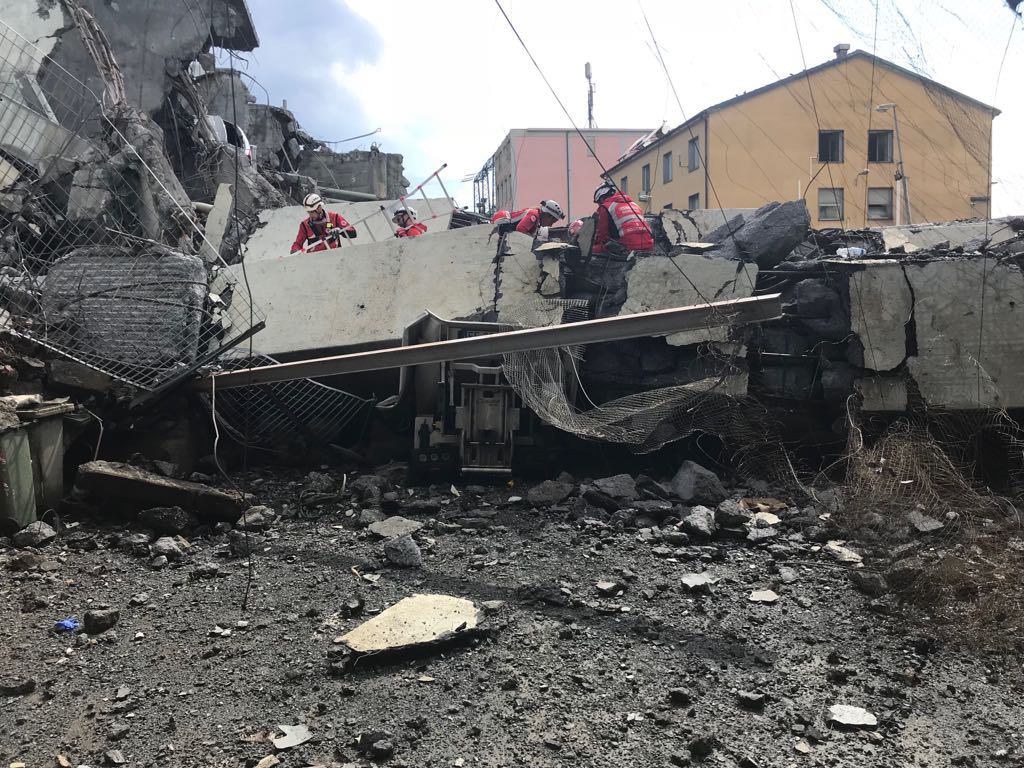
(575, 227)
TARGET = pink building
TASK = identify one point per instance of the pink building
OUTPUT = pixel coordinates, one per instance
(533, 164)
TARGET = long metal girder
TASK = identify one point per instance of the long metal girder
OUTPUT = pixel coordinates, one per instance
(658, 322)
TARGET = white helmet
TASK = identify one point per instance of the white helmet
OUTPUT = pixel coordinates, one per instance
(606, 188)
(405, 209)
(552, 208)
(312, 201)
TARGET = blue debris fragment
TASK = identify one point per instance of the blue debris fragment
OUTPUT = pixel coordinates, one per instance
(70, 624)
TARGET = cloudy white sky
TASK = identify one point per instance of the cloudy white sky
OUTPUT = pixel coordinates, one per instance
(445, 80)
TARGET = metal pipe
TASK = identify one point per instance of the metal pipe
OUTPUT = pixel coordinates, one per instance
(659, 322)
(341, 194)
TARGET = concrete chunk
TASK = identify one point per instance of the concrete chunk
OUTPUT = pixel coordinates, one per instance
(414, 621)
(138, 487)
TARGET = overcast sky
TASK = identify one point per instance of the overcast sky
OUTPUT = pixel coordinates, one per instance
(445, 80)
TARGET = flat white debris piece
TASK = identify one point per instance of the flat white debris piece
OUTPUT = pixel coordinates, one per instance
(763, 596)
(853, 717)
(293, 736)
(414, 621)
(841, 553)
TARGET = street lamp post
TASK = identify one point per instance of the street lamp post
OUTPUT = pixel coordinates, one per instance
(903, 206)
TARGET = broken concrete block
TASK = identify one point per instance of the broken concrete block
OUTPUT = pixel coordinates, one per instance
(90, 196)
(68, 373)
(393, 527)
(165, 520)
(881, 305)
(700, 522)
(403, 552)
(549, 492)
(35, 534)
(619, 487)
(414, 621)
(138, 487)
(768, 236)
(692, 482)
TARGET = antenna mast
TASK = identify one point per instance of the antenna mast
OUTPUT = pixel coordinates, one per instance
(590, 97)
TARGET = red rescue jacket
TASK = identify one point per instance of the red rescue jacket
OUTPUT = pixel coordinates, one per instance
(311, 231)
(413, 230)
(622, 220)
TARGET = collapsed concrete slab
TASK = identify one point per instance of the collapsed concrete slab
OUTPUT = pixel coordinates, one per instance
(139, 488)
(881, 306)
(369, 293)
(958, 234)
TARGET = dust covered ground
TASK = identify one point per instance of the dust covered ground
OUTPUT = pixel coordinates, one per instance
(647, 673)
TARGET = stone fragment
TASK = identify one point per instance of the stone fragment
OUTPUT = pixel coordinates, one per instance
(619, 487)
(757, 535)
(368, 486)
(610, 588)
(268, 762)
(293, 736)
(318, 483)
(403, 552)
(698, 583)
(255, 519)
(905, 572)
(923, 523)
(694, 483)
(167, 547)
(869, 582)
(680, 696)
(841, 553)
(751, 699)
(700, 521)
(394, 527)
(763, 596)
(35, 534)
(379, 745)
(414, 621)
(762, 519)
(730, 513)
(165, 520)
(851, 717)
(100, 620)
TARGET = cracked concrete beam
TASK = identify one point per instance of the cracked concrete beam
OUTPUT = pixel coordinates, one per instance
(881, 305)
(654, 283)
(968, 314)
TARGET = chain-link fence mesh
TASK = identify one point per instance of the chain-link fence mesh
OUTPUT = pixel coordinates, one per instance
(289, 415)
(101, 256)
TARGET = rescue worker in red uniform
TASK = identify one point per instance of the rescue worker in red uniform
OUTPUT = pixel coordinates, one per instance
(406, 224)
(321, 229)
(529, 221)
(619, 220)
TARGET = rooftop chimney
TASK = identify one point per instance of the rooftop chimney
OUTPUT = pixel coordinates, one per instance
(841, 50)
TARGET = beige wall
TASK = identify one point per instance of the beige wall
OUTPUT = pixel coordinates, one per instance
(765, 147)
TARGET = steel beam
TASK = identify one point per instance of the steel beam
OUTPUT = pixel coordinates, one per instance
(659, 322)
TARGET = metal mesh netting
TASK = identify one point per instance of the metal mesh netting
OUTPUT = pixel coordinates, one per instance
(286, 414)
(101, 258)
(645, 421)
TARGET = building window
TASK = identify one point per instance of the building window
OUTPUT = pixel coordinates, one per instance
(880, 203)
(830, 204)
(693, 154)
(830, 146)
(693, 203)
(666, 168)
(645, 179)
(879, 146)
(624, 185)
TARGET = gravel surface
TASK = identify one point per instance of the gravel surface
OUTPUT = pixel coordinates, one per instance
(595, 652)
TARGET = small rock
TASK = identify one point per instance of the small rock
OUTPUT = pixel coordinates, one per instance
(802, 747)
(698, 583)
(492, 606)
(16, 686)
(763, 596)
(318, 483)
(751, 699)
(378, 744)
(923, 523)
(730, 513)
(165, 520)
(841, 553)
(403, 552)
(787, 575)
(700, 522)
(158, 562)
(619, 487)
(256, 519)
(118, 731)
(35, 534)
(100, 620)
(692, 482)
(115, 757)
(139, 598)
(167, 547)
(294, 735)
(610, 588)
(869, 582)
(905, 572)
(394, 527)
(268, 762)
(680, 696)
(756, 535)
(369, 517)
(762, 519)
(851, 717)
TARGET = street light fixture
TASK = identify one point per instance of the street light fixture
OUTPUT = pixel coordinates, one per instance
(903, 211)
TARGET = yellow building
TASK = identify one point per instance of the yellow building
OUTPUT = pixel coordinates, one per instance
(832, 135)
